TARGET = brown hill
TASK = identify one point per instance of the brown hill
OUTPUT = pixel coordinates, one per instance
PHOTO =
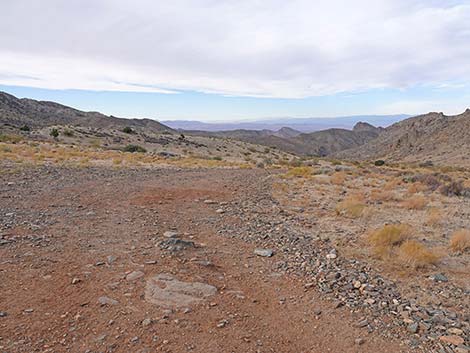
(319, 143)
(432, 137)
(38, 114)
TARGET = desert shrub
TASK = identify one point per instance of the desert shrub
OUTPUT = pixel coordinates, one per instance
(68, 133)
(260, 165)
(217, 158)
(134, 148)
(379, 162)
(300, 172)
(383, 195)
(351, 207)
(434, 217)
(128, 130)
(392, 184)
(454, 188)
(268, 161)
(54, 133)
(295, 162)
(431, 181)
(10, 138)
(460, 240)
(336, 162)
(416, 254)
(417, 187)
(426, 164)
(416, 202)
(338, 178)
(25, 128)
(383, 240)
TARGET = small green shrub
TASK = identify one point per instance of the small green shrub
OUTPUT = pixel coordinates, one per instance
(128, 130)
(134, 148)
(25, 128)
(379, 162)
(54, 133)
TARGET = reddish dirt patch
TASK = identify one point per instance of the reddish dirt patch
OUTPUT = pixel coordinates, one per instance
(107, 227)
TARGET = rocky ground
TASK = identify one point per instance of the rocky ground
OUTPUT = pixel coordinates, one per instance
(207, 260)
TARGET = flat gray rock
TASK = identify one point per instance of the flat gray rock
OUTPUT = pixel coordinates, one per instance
(264, 252)
(107, 301)
(167, 291)
(134, 275)
(170, 234)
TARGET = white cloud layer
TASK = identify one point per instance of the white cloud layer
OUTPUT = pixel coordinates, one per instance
(268, 48)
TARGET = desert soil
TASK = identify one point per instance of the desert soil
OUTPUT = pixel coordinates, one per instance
(81, 248)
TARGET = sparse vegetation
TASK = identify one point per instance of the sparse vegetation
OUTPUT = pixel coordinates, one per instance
(134, 148)
(25, 128)
(299, 172)
(384, 240)
(434, 217)
(352, 207)
(338, 178)
(460, 240)
(68, 133)
(128, 130)
(416, 255)
(379, 163)
(454, 188)
(54, 133)
(416, 202)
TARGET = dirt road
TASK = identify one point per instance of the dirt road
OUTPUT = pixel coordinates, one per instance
(80, 247)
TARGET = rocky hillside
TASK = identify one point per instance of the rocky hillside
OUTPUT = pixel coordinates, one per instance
(38, 114)
(319, 143)
(431, 137)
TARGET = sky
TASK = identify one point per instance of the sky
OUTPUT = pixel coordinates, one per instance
(216, 60)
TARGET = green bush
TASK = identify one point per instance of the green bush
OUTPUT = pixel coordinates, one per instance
(128, 130)
(379, 162)
(25, 128)
(54, 133)
(134, 148)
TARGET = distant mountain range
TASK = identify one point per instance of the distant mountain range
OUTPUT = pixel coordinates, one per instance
(433, 137)
(305, 125)
(318, 143)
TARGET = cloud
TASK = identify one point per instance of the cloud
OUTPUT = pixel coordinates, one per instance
(271, 48)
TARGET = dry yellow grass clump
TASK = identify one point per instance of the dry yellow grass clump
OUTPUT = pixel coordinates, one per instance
(299, 172)
(416, 255)
(416, 202)
(416, 188)
(393, 242)
(460, 240)
(383, 195)
(384, 239)
(434, 217)
(338, 178)
(352, 207)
